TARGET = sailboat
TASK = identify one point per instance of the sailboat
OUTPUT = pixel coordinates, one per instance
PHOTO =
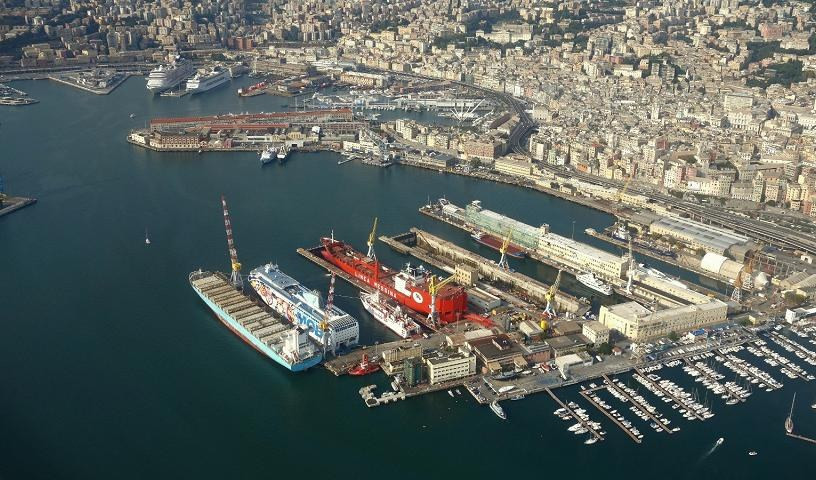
(147, 239)
(789, 420)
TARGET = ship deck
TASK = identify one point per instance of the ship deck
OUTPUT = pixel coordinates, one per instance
(257, 320)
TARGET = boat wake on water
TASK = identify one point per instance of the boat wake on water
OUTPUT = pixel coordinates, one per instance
(712, 449)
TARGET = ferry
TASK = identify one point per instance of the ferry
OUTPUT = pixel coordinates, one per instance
(305, 307)
(390, 314)
(588, 279)
(165, 77)
(497, 409)
(288, 345)
(202, 82)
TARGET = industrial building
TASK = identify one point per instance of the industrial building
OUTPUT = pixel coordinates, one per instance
(697, 235)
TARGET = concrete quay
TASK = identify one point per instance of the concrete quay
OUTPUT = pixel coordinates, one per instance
(12, 204)
(97, 91)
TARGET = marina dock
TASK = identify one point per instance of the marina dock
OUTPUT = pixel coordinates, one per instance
(714, 381)
(583, 422)
(802, 437)
(665, 392)
(658, 421)
(608, 415)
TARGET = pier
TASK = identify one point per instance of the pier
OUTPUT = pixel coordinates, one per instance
(636, 403)
(11, 204)
(583, 422)
(665, 392)
(801, 437)
(586, 395)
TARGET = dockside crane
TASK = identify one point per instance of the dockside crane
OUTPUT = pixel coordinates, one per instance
(505, 244)
(371, 240)
(434, 287)
(550, 296)
(625, 188)
(630, 272)
(235, 277)
(743, 280)
(324, 323)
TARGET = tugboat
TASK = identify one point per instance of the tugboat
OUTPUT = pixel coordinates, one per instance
(266, 155)
(283, 152)
(363, 368)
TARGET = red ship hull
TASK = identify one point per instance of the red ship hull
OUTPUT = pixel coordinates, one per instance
(411, 291)
(495, 243)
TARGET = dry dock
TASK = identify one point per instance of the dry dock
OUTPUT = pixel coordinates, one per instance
(445, 255)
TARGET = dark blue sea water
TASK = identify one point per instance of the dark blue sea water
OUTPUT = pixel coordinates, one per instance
(113, 368)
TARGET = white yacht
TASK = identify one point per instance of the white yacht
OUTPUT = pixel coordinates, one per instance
(203, 81)
(588, 279)
(165, 77)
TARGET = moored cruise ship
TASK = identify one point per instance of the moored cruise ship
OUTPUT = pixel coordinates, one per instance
(305, 307)
(201, 82)
(390, 314)
(165, 77)
(288, 345)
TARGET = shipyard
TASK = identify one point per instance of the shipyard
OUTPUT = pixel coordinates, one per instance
(550, 230)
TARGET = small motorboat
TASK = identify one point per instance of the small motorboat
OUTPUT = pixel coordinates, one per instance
(753, 453)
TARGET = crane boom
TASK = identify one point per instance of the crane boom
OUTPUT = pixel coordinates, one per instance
(235, 277)
(503, 260)
(371, 239)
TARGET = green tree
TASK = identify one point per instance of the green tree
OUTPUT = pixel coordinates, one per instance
(605, 348)
(673, 336)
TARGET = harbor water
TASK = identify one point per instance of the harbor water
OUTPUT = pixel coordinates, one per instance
(113, 367)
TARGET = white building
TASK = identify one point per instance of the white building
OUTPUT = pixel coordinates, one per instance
(451, 367)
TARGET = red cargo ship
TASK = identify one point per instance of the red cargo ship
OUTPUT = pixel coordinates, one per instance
(253, 90)
(495, 243)
(409, 287)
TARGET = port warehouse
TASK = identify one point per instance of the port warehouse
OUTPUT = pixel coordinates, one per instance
(541, 240)
(235, 131)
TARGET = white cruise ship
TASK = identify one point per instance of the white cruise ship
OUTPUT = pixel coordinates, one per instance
(165, 77)
(588, 279)
(203, 81)
(389, 314)
(304, 307)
